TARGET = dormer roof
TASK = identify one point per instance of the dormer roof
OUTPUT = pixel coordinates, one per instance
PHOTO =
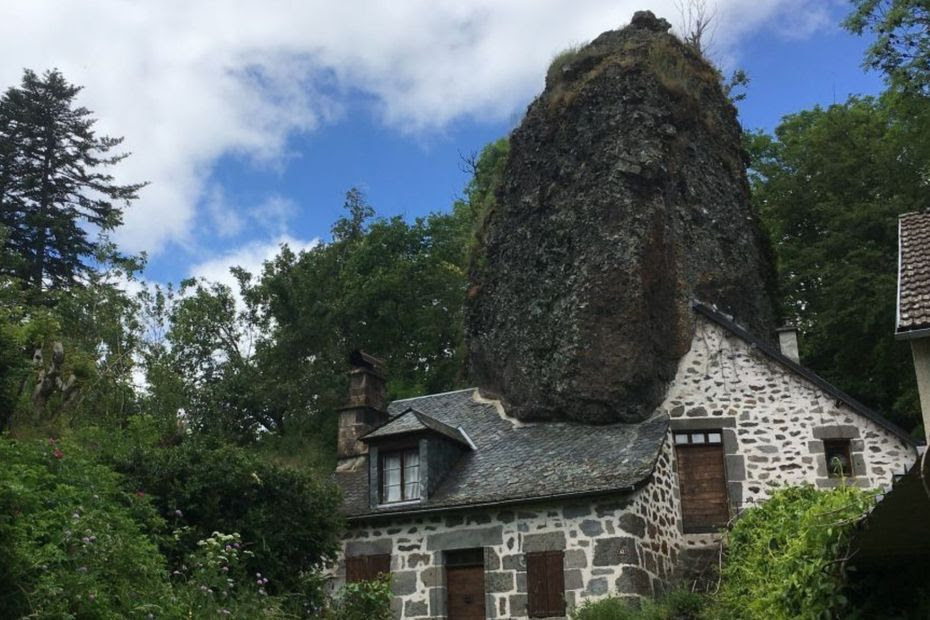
(413, 421)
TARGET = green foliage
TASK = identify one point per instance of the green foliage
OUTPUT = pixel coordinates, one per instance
(219, 585)
(288, 519)
(386, 286)
(829, 186)
(363, 600)
(785, 558)
(675, 605)
(53, 186)
(74, 542)
(901, 48)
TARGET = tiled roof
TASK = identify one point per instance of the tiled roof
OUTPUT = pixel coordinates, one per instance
(411, 421)
(515, 462)
(913, 272)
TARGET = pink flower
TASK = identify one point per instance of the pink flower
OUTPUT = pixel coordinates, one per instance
(58, 454)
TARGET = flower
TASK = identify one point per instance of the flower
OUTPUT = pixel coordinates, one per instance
(178, 513)
(140, 493)
(58, 454)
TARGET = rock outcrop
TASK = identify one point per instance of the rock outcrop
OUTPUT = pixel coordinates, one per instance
(624, 197)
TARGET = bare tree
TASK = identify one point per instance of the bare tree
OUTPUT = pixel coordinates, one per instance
(698, 24)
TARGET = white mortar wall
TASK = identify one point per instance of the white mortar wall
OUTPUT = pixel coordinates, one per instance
(779, 421)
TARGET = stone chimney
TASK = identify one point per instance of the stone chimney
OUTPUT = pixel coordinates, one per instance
(788, 342)
(365, 409)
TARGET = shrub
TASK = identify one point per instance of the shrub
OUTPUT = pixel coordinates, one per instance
(610, 608)
(218, 586)
(784, 558)
(73, 541)
(365, 600)
(676, 605)
(288, 519)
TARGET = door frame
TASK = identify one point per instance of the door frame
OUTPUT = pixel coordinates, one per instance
(473, 557)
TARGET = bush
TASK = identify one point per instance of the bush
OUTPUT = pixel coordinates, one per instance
(72, 541)
(676, 605)
(365, 600)
(288, 519)
(784, 558)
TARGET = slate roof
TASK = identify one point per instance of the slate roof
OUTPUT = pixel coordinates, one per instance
(913, 273)
(734, 328)
(515, 462)
(411, 421)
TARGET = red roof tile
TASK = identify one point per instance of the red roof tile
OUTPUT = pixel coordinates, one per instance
(913, 272)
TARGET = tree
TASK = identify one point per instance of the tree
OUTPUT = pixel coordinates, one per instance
(53, 183)
(829, 186)
(902, 40)
(698, 22)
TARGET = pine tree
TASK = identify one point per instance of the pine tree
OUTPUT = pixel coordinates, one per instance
(54, 188)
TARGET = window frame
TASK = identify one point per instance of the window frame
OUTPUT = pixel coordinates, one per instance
(403, 452)
(844, 445)
(553, 567)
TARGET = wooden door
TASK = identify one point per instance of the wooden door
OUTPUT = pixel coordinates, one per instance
(465, 590)
(703, 482)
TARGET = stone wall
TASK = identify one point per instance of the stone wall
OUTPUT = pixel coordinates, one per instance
(773, 422)
(622, 544)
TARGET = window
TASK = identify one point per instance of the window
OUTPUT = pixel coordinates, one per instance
(400, 476)
(545, 582)
(839, 464)
(367, 567)
(698, 438)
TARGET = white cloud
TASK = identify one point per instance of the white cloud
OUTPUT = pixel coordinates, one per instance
(250, 257)
(187, 81)
(275, 214)
(223, 217)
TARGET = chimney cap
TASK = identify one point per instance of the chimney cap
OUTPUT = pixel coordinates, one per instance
(360, 359)
(787, 328)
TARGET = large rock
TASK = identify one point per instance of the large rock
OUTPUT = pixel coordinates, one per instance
(624, 197)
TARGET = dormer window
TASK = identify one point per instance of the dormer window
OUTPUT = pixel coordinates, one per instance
(400, 475)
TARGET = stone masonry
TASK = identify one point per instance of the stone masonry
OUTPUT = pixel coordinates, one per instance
(625, 544)
(773, 422)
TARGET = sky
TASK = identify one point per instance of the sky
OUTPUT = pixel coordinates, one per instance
(251, 119)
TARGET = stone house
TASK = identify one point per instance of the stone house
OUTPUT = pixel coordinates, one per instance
(478, 515)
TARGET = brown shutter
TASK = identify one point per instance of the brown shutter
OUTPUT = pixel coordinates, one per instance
(355, 569)
(367, 567)
(537, 596)
(555, 582)
(379, 565)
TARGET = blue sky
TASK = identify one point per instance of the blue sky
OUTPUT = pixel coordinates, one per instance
(251, 120)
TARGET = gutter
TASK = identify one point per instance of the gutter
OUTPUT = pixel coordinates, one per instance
(505, 502)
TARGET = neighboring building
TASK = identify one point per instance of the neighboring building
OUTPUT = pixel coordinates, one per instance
(896, 535)
(478, 515)
(913, 315)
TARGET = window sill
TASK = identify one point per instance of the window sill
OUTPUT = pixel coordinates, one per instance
(407, 502)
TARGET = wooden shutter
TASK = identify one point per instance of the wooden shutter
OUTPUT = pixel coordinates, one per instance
(556, 583)
(355, 569)
(545, 582)
(378, 565)
(367, 567)
(701, 474)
